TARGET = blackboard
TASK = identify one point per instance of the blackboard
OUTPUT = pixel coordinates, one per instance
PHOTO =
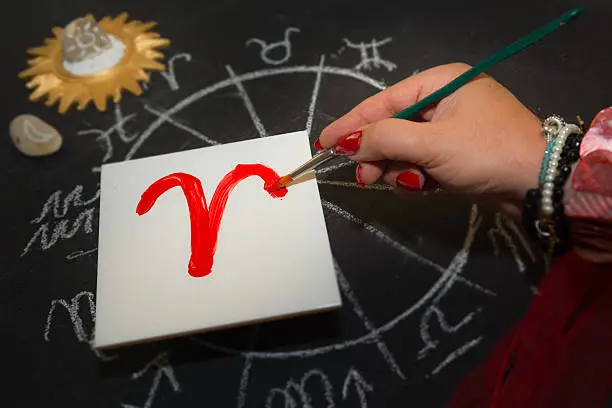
(429, 284)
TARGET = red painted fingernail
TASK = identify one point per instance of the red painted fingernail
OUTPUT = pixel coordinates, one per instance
(410, 180)
(349, 144)
(317, 145)
(358, 176)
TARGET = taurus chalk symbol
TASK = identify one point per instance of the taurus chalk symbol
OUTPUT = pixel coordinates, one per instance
(268, 48)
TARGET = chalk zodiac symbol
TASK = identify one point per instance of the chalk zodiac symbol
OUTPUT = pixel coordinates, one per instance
(50, 233)
(161, 365)
(373, 61)
(299, 387)
(73, 308)
(268, 48)
(104, 136)
(171, 75)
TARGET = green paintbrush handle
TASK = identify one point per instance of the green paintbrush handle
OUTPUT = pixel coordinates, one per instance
(486, 64)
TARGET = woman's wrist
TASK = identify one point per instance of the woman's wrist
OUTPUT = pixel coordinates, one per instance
(526, 171)
(572, 205)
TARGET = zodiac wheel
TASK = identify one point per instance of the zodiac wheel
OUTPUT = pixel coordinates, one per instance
(397, 274)
(241, 95)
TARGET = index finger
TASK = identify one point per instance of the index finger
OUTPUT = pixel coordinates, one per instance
(390, 101)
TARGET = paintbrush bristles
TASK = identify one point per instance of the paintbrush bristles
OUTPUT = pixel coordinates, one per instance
(280, 183)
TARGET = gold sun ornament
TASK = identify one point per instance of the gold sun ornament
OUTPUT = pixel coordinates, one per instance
(89, 61)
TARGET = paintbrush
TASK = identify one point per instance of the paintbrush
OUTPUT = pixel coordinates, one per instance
(328, 154)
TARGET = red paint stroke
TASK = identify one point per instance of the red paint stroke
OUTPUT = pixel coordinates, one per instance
(205, 222)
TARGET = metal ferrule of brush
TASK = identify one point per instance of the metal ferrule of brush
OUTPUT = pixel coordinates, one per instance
(318, 159)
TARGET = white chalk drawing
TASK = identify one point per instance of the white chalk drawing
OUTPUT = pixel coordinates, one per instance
(369, 62)
(396, 245)
(236, 81)
(347, 291)
(170, 75)
(351, 184)
(268, 48)
(80, 253)
(455, 268)
(104, 136)
(449, 276)
(380, 235)
(361, 387)
(58, 226)
(246, 369)
(314, 377)
(434, 310)
(167, 118)
(244, 381)
(297, 388)
(247, 102)
(336, 55)
(334, 167)
(57, 208)
(503, 227)
(456, 354)
(315, 96)
(63, 230)
(73, 307)
(162, 367)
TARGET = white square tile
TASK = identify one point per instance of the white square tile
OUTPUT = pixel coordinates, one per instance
(272, 259)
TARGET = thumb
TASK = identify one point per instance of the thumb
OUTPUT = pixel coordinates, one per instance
(397, 140)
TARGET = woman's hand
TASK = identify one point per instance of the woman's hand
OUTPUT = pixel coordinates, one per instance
(480, 141)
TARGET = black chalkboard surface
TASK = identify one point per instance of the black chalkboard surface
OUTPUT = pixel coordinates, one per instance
(428, 284)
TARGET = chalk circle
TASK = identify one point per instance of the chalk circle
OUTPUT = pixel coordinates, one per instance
(371, 335)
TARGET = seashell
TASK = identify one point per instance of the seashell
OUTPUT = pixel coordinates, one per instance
(34, 137)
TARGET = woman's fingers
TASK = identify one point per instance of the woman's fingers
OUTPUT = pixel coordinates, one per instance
(408, 177)
(405, 176)
(423, 144)
(392, 100)
(368, 172)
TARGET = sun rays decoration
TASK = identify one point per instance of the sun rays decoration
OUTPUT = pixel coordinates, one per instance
(124, 50)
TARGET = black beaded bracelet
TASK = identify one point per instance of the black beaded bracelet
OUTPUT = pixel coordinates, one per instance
(543, 213)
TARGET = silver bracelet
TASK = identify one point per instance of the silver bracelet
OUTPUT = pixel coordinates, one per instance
(556, 131)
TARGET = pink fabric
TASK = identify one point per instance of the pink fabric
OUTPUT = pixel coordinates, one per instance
(599, 135)
(588, 196)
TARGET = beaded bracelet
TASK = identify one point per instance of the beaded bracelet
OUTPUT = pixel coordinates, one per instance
(543, 213)
(550, 128)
